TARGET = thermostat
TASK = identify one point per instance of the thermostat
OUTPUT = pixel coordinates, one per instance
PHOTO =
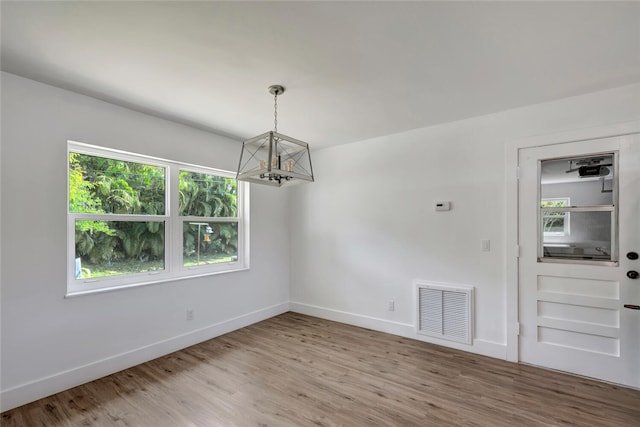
(443, 206)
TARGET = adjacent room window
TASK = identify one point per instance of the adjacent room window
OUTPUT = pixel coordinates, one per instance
(555, 223)
(136, 220)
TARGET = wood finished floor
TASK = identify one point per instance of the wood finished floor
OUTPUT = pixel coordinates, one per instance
(296, 370)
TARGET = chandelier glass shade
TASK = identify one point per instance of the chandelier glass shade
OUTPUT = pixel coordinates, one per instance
(273, 158)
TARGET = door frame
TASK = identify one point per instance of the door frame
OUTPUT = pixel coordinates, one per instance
(512, 151)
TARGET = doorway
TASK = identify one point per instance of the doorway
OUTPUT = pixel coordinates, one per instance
(578, 231)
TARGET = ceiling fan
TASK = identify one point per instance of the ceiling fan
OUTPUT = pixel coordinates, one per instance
(589, 167)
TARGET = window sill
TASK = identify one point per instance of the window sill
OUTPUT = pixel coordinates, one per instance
(73, 294)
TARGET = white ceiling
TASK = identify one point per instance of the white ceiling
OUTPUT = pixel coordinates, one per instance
(353, 70)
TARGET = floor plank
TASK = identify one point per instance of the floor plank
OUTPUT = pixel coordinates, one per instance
(296, 370)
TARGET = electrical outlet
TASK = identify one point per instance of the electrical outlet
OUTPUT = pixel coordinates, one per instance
(391, 305)
(189, 314)
(486, 245)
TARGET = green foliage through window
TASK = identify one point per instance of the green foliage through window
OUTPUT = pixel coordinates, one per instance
(104, 187)
(208, 196)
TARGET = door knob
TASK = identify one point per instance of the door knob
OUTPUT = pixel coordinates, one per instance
(632, 274)
(632, 255)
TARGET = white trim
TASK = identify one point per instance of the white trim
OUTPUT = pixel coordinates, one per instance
(135, 157)
(512, 149)
(195, 275)
(407, 330)
(483, 347)
(37, 389)
(368, 322)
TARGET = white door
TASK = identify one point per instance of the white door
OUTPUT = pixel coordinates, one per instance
(578, 230)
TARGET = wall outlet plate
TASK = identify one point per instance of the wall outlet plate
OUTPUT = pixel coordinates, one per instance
(391, 305)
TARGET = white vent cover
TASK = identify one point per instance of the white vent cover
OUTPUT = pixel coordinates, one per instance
(445, 311)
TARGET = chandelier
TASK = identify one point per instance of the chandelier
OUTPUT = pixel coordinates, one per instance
(273, 158)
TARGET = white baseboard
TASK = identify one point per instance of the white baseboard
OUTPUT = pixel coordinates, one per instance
(34, 390)
(479, 346)
(377, 324)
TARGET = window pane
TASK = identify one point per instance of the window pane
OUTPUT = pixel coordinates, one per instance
(207, 195)
(554, 203)
(209, 242)
(553, 224)
(590, 238)
(103, 185)
(111, 248)
(574, 183)
(587, 181)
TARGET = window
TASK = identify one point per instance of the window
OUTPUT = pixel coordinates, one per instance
(135, 220)
(577, 220)
(209, 210)
(555, 223)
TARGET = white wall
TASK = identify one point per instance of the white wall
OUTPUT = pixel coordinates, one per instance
(50, 343)
(367, 229)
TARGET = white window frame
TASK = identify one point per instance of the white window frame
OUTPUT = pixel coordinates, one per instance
(565, 215)
(174, 269)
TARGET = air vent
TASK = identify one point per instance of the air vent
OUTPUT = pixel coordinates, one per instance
(445, 311)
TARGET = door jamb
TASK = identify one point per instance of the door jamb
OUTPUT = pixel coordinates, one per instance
(512, 151)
